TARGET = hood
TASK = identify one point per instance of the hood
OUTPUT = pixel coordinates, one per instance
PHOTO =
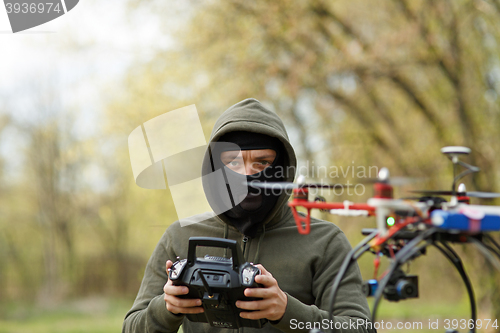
(251, 116)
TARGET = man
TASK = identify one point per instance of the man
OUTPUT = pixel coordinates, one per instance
(297, 270)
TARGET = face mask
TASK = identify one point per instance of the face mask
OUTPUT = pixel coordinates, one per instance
(244, 206)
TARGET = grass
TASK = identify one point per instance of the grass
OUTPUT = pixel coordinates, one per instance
(422, 309)
(420, 313)
(97, 315)
(84, 316)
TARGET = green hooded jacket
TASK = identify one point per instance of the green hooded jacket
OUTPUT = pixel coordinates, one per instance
(304, 265)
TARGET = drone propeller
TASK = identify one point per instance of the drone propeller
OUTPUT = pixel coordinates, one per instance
(290, 186)
(483, 195)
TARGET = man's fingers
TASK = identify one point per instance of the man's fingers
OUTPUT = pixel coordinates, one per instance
(266, 308)
(191, 310)
(170, 289)
(259, 292)
(254, 315)
(266, 280)
(263, 270)
(253, 305)
(182, 303)
(168, 264)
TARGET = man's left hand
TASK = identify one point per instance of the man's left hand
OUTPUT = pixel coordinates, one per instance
(273, 303)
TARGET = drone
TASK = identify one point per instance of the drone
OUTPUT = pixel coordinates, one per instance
(405, 228)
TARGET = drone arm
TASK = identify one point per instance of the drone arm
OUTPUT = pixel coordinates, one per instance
(303, 222)
(494, 210)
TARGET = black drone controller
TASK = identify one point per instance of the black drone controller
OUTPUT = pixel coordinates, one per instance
(219, 282)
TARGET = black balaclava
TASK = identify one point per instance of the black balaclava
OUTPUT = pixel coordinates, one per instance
(249, 206)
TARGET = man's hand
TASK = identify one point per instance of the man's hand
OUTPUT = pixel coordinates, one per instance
(273, 303)
(178, 305)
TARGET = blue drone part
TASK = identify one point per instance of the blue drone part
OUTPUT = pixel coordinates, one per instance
(459, 221)
(372, 285)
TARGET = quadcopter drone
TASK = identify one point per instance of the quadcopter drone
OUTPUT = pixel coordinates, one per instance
(405, 228)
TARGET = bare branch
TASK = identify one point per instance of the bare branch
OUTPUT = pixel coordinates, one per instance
(446, 67)
(358, 113)
(420, 102)
(322, 11)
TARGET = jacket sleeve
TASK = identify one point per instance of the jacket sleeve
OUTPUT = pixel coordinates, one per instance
(351, 311)
(149, 313)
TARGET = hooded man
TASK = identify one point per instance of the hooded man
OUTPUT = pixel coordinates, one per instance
(251, 144)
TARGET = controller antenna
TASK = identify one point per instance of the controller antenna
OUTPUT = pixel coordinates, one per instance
(205, 284)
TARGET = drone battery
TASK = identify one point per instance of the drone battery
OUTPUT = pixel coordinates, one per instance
(465, 221)
(369, 287)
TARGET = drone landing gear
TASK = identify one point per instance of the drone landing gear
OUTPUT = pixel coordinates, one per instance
(410, 250)
(351, 257)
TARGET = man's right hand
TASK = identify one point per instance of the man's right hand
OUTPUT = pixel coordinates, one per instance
(179, 305)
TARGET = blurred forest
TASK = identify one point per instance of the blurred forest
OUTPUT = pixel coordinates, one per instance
(384, 83)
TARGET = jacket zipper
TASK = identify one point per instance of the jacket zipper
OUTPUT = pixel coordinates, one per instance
(245, 241)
